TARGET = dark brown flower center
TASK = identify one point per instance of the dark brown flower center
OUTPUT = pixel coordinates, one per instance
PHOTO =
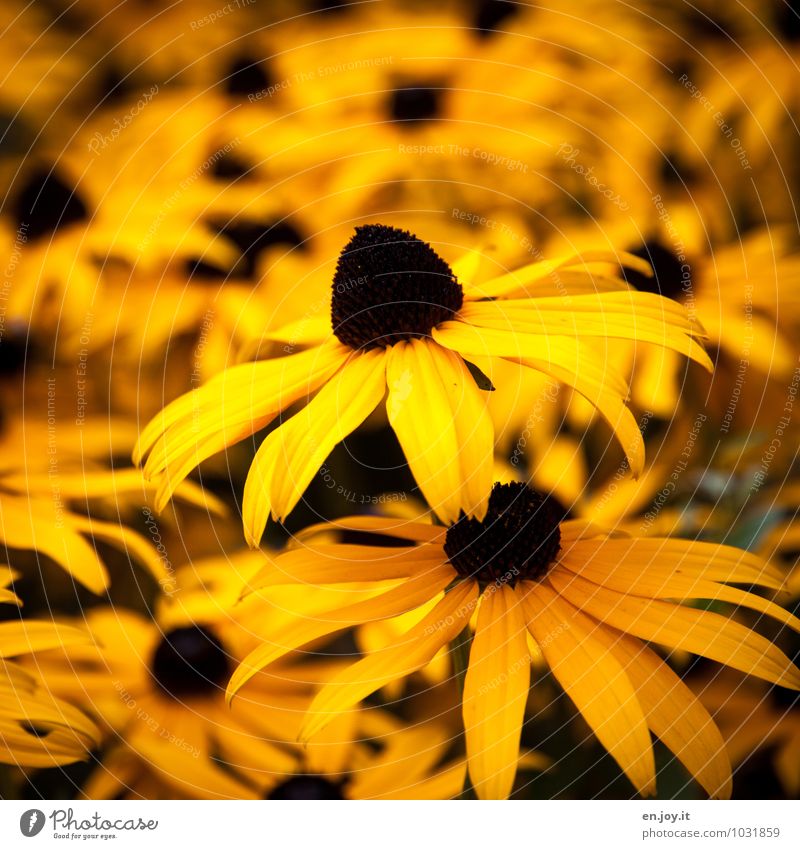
(47, 203)
(518, 539)
(308, 787)
(490, 14)
(389, 286)
(190, 661)
(416, 102)
(671, 276)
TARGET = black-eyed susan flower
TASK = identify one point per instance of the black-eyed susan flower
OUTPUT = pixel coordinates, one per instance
(37, 729)
(587, 598)
(400, 320)
(156, 686)
(367, 755)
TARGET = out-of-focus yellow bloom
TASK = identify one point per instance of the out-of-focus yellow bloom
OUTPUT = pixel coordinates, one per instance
(37, 729)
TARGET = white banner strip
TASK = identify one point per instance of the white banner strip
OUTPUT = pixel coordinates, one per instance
(400, 825)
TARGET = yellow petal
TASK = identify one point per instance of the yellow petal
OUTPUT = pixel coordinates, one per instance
(595, 681)
(657, 580)
(664, 559)
(528, 279)
(33, 635)
(384, 525)
(674, 714)
(495, 692)
(417, 590)
(341, 563)
(412, 651)
(677, 627)
(443, 426)
(232, 406)
(43, 526)
(308, 437)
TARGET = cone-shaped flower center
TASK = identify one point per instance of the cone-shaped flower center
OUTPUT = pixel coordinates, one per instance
(311, 787)
(518, 539)
(389, 286)
(190, 661)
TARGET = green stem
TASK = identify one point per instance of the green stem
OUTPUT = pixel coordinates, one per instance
(459, 651)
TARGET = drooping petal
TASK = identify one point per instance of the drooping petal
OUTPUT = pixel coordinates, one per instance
(443, 426)
(495, 692)
(384, 525)
(124, 539)
(665, 559)
(39, 525)
(341, 563)
(32, 635)
(595, 681)
(230, 407)
(528, 280)
(412, 651)
(569, 361)
(406, 760)
(678, 627)
(308, 437)
(654, 579)
(639, 316)
(674, 713)
(195, 774)
(408, 595)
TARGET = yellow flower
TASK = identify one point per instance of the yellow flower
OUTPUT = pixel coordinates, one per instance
(156, 687)
(367, 755)
(586, 598)
(399, 320)
(37, 729)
